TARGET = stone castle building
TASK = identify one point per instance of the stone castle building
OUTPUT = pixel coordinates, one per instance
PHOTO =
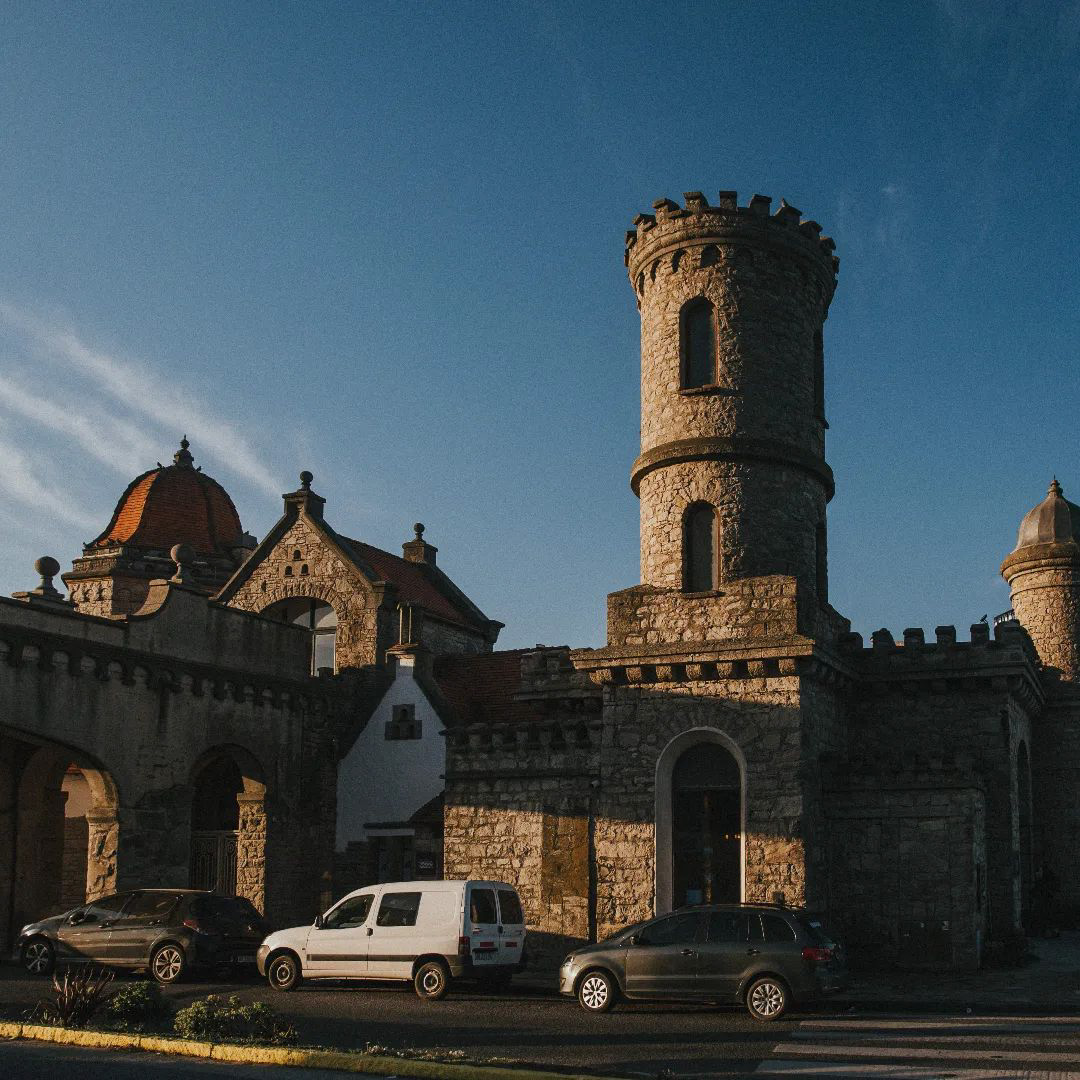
(734, 740)
(271, 717)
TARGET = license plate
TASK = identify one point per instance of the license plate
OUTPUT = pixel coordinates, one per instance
(246, 958)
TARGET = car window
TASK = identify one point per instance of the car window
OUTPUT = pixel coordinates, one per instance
(753, 927)
(674, 930)
(398, 909)
(351, 912)
(733, 926)
(105, 908)
(232, 908)
(776, 929)
(150, 905)
(817, 932)
(510, 906)
(482, 906)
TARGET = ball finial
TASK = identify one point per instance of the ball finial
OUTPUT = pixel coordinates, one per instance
(305, 480)
(47, 567)
(183, 555)
(418, 528)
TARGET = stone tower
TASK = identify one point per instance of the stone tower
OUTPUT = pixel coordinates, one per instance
(1043, 573)
(732, 475)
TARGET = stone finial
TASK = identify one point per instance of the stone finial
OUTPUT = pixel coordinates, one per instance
(305, 480)
(183, 456)
(183, 555)
(47, 568)
(418, 550)
(1055, 488)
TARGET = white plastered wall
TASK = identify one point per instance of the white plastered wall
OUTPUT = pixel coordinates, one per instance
(388, 780)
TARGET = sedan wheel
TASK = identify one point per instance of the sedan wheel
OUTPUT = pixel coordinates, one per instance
(38, 956)
(167, 963)
(596, 992)
(767, 999)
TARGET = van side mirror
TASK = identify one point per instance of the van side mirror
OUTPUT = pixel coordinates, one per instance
(318, 922)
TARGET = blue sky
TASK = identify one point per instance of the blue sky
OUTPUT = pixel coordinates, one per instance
(384, 242)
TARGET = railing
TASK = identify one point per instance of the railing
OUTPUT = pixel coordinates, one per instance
(1005, 616)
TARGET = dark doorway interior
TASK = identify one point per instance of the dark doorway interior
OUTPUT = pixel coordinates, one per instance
(215, 826)
(707, 819)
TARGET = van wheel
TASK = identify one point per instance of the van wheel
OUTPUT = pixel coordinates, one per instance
(596, 993)
(431, 980)
(767, 999)
(284, 972)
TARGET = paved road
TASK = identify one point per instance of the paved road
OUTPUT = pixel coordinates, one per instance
(530, 1024)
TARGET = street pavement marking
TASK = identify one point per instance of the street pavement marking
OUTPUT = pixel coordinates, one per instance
(975, 1022)
(886, 1071)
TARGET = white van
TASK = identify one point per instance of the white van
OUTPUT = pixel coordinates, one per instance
(426, 932)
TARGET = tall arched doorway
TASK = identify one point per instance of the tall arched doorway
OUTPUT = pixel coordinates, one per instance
(58, 831)
(228, 824)
(215, 826)
(699, 821)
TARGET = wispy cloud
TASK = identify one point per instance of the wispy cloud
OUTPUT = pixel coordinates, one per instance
(21, 481)
(138, 389)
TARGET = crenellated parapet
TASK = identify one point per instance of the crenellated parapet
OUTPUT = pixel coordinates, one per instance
(693, 228)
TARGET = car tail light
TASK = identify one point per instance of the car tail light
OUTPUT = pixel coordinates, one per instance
(463, 945)
(817, 954)
(192, 924)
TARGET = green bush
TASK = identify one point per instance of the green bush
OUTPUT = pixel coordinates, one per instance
(137, 1006)
(216, 1020)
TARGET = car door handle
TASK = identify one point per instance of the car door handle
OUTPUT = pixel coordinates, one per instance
(370, 931)
(752, 952)
(689, 952)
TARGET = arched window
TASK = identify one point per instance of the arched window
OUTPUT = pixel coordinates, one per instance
(316, 616)
(698, 344)
(699, 548)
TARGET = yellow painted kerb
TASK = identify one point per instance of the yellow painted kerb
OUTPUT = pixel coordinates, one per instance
(278, 1055)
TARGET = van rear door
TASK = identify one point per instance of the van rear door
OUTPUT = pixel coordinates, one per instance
(511, 927)
(483, 926)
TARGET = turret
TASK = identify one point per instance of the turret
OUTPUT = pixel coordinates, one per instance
(732, 475)
(1043, 573)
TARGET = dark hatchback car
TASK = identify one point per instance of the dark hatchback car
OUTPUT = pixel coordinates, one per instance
(763, 956)
(168, 931)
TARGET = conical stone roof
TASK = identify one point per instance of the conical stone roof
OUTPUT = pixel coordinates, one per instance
(1054, 521)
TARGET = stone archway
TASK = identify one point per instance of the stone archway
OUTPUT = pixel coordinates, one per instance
(700, 819)
(59, 830)
(228, 824)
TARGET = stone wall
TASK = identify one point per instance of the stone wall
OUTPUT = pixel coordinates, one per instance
(908, 863)
(139, 706)
(1046, 601)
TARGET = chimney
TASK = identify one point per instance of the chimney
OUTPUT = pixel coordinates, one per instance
(418, 549)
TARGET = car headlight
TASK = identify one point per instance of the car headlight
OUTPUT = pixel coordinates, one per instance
(25, 929)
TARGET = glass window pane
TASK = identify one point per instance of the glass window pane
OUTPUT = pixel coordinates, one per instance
(727, 926)
(324, 651)
(510, 907)
(350, 913)
(776, 929)
(324, 617)
(675, 930)
(700, 560)
(482, 907)
(398, 909)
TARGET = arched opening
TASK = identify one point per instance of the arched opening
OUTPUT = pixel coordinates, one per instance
(697, 336)
(700, 814)
(1023, 814)
(699, 548)
(228, 825)
(58, 831)
(314, 615)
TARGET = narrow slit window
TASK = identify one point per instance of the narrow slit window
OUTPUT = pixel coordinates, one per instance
(698, 345)
(699, 548)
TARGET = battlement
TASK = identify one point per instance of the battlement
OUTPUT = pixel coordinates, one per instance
(699, 223)
(1007, 634)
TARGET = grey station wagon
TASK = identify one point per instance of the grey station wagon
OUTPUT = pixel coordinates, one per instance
(764, 956)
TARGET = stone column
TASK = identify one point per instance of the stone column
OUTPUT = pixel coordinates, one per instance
(251, 849)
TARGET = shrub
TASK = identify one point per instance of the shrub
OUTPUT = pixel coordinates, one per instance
(76, 997)
(137, 1006)
(216, 1020)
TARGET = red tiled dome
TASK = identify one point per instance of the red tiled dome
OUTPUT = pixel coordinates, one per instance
(174, 504)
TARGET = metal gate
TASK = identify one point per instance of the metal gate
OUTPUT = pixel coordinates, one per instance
(213, 861)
